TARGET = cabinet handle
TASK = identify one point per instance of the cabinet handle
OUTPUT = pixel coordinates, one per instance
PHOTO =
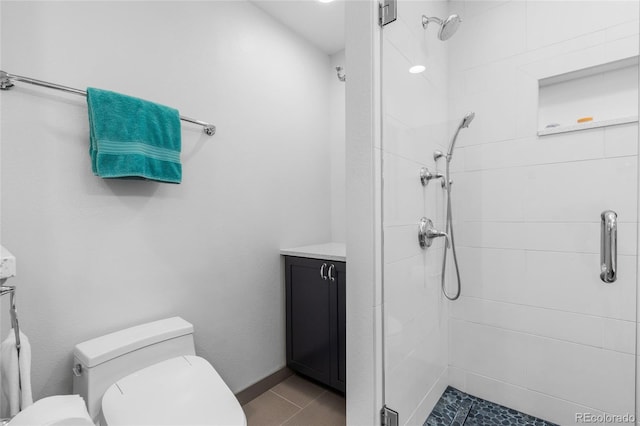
(322, 274)
(330, 273)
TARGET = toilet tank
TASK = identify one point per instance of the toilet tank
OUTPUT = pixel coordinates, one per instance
(100, 362)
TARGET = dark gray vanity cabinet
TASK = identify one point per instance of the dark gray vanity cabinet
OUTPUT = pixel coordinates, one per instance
(316, 314)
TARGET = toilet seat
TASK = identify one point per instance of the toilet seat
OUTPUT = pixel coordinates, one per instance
(184, 390)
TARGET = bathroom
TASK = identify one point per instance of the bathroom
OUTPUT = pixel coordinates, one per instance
(300, 157)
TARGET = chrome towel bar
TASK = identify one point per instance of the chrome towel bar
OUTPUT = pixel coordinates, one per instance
(6, 83)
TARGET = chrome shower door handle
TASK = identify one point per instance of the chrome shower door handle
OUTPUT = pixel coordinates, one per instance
(608, 246)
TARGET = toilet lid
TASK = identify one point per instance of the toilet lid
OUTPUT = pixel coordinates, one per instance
(185, 390)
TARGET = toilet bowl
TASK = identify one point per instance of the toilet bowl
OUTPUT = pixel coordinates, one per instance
(150, 375)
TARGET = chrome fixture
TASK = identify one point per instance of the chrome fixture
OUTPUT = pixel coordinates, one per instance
(7, 80)
(341, 75)
(463, 125)
(77, 370)
(447, 183)
(388, 12)
(426, 176)
(330, 272)
(448, 27)
(427, 232)
(608, 246)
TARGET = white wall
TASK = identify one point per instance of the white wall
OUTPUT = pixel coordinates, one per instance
(98, 255)
(415, 124)
(364, 343)
(535, 328)
(337, 131)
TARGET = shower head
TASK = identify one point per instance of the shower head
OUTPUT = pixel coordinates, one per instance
(463, 125)
(448, 27)
(467, 120)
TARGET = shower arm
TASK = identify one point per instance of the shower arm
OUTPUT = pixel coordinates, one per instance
(426, 176)
(426, 20)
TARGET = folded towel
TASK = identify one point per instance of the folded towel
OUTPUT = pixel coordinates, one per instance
(16, 372)
(133, 138)
(62, 410)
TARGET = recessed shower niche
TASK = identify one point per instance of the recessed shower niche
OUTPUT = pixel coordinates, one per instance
(603, 95)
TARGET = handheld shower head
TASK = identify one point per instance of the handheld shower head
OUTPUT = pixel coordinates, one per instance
(463, 125)
(448, 27)
(467, 120)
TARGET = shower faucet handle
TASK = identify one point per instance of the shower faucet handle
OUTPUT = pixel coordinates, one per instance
(427, 232)
(426, 176)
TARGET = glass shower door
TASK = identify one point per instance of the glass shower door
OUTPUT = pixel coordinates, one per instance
(553, 145)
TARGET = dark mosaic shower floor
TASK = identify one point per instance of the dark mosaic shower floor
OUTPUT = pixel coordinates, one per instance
(456, 408)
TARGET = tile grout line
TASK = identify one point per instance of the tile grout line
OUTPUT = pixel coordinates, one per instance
(302, 409)
(282, 397)
(317, 397)
(299, 411)
(282, 424)
(295, 405)
(307, 404)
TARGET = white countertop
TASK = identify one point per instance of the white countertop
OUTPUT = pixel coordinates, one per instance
(328, 251)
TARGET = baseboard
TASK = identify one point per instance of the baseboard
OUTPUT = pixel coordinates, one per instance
(263, 385)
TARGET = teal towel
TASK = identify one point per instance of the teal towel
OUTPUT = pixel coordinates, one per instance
(133, 138)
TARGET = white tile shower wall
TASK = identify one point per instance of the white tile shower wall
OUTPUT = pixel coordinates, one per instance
(98, 255)
(414, 125)
(536, 329)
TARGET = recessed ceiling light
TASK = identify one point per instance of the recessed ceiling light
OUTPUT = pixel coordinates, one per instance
(325, 1)
(417, 69)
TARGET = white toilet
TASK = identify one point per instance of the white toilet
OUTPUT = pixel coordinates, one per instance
(149, 375)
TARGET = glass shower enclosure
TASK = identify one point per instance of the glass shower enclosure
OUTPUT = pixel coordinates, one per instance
(544, 202)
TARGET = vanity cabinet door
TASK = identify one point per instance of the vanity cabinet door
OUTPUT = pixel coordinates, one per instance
(338, 317)
(316, 319)
(309, 334)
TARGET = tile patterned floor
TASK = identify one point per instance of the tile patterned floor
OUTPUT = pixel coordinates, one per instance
(456, 408)
(296, 402)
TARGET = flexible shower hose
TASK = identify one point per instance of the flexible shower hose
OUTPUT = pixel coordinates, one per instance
(449, 230)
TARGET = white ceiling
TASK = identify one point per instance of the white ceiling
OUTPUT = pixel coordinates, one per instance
(320, 23)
